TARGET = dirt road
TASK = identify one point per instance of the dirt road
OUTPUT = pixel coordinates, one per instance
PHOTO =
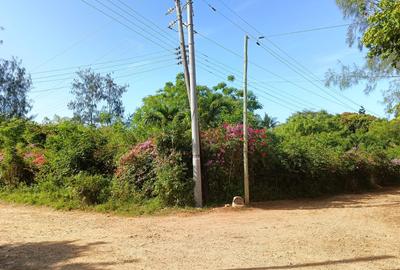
(345, 232)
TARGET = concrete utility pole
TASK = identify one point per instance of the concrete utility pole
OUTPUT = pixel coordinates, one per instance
(245, 126)
(198, 193)
(183, 46)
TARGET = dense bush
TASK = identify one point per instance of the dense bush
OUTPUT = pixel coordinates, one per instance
(90, 189)
(135, 174)
(14, 168)
(173, 185)
(145, 172)
(223, 159)
(312, 154)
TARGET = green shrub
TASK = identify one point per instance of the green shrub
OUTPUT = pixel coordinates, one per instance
(145, 173)
(72, 148)
(312, 154)
(222, 153)
(173, 186)
(135, 173)
(91, 189)
(14, 170)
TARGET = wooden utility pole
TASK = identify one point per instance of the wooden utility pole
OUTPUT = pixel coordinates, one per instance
(245, 126)
(178, 9)
(198, 193)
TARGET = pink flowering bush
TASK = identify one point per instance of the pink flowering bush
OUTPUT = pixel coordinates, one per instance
(147, 171)
(135, 171)
(222, 152)
(36, 159)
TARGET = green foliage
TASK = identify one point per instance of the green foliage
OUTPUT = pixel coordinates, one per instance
(72, 148)
(90, 89)
(382, 37)
(15, 84)
(13, 168)
(150, 171)
(135, 175)
(91, 189)
(375, 24)
(173, 185)
(168, 110)
(148, 165)
(222, 153)
(267, 122)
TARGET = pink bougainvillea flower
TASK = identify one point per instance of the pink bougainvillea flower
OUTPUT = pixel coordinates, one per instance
(39, 161)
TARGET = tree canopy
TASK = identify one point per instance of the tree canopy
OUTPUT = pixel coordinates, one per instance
(15, 84)
(92, 90)
(376, 27)
(168, 110)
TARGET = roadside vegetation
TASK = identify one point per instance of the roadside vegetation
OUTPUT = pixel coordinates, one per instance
(140, 164)
(145, 165)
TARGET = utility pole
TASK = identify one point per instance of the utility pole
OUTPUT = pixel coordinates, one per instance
(198, 193)
(245, 126)
(183, 46)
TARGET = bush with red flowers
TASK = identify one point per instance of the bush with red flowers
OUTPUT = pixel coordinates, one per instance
(222, 153)
(147, 172)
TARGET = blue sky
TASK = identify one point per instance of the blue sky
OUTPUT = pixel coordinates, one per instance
(48, 35)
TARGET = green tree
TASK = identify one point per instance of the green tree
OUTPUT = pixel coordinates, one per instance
(112, 95)
(13, 168)
(15, 84)
(90, 90)
(376, 27)
(169, 109)
(87, 90)
(268, 122)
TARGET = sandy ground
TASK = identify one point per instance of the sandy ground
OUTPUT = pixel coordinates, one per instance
(344, 232)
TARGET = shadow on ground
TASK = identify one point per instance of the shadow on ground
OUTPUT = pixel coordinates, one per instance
(341, 201)
(324, 263)
(49, 255)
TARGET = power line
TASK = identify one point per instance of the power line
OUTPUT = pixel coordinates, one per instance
(284, 33)
(276, 102)
(49, 89)
(255, 81)
(254, 88)
(166, 33)
(308, 30)
(271, 52)
(152, 23)
(120, 22)
(145, 71)
(71, 77)
(296, 70)
(99, 63)
(135, 63)
(142, 17)
(267, 70)
(111, 10)
(70, 47)
(162, 41)
(124, 24)
(300, 69)
(117, 77)
(129, 12)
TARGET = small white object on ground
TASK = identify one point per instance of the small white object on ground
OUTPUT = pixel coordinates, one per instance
(237, 201)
